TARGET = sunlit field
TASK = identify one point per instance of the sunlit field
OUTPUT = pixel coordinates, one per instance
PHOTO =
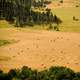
(66, 14)
(40, 47)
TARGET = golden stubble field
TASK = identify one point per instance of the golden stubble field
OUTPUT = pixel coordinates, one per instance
(39, 49)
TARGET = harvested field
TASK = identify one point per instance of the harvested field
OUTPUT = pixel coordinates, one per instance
(39, 49)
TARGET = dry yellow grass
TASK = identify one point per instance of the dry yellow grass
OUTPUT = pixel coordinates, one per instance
(40, 49)
(66, 3)
(4, 23)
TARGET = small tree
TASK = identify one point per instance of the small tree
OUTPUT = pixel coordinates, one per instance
(61, 1)
(57, 20)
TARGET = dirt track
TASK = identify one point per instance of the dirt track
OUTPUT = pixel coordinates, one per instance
(39, 49)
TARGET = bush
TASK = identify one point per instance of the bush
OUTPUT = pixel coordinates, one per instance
(53, 73)
(61, 1)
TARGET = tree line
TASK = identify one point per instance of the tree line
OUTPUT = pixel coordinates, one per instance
(53, 73)
(21, 13)
(41, 3)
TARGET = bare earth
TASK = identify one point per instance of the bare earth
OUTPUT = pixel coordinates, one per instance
(39, 49)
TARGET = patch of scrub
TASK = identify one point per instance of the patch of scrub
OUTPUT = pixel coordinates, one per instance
(4, 58)
(6, 42)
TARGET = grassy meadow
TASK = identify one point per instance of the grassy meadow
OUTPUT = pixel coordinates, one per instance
(66, 14)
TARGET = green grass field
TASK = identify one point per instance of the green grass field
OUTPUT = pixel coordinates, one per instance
(66, 15)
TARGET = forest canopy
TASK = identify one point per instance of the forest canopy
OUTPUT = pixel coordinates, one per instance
(22, 12)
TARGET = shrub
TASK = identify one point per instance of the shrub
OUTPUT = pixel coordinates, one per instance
(53, 73)
(61, 1)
